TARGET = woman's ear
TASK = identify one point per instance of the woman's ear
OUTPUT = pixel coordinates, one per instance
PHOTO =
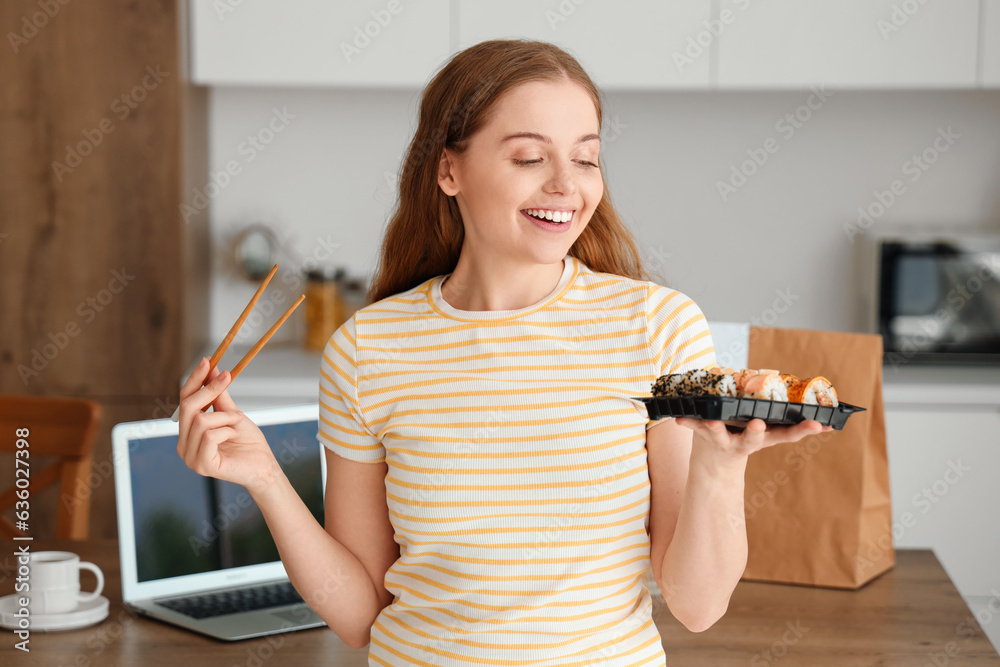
(446, 174)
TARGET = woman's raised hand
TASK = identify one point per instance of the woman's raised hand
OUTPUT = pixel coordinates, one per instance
(717, 440)
(222, 443)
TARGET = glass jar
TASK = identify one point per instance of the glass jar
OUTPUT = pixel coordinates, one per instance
(324, 311)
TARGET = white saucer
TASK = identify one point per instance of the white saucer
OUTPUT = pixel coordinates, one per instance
(86, 613)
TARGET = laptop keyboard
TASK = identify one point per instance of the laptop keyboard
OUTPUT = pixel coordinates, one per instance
(235, 600)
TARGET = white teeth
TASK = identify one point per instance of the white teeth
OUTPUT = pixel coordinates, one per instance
(554, 216)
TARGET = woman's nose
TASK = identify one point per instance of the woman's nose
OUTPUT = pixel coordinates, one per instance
(560, 179)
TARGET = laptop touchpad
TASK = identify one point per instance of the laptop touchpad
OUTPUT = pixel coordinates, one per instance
(296, 616)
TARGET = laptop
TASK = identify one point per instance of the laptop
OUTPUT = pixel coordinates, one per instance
(195, 551)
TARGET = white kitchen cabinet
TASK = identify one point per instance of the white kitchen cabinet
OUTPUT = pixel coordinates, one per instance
(849, 44)
(990, 47)
(943, 466)
(629, 44)
(382, 43)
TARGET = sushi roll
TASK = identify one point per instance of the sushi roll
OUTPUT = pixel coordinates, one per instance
(766, 385)
(700, 382)
(813, 391)
(789, 379)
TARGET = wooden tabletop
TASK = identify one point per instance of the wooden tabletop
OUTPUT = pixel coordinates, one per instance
(910, 616)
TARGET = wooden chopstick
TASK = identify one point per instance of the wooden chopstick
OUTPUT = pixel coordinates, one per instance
(263, 341)
(224, 345)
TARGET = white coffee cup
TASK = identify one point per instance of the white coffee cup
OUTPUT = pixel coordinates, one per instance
(54, 582)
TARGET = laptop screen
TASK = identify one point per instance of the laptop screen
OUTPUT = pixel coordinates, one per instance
(186, 524)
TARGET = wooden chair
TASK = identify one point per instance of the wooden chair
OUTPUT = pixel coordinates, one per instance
(62, 428)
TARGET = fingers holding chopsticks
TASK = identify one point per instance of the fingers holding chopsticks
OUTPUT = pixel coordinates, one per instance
(204, 387)
(223, 443)
(206, 431)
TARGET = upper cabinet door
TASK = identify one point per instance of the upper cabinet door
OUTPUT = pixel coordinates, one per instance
(849, 43)
(632, 44)
(318, 42)
(990, 48)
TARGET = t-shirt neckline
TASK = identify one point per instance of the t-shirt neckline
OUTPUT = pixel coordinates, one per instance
(438, 303)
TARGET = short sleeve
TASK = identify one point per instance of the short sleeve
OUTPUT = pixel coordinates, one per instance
(679, 337)
(342, 427)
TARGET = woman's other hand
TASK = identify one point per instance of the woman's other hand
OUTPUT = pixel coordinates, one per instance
(713, 439)
(222, 443)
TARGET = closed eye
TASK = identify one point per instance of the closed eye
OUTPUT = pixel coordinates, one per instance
(523, 162)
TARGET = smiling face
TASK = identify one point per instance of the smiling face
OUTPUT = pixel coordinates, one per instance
(529, 180)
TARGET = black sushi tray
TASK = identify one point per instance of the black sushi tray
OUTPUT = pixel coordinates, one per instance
(738, 411)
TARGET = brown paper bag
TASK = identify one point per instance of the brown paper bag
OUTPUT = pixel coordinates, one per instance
(818, 511)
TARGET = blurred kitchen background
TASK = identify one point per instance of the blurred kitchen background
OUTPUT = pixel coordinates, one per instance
(757, 149)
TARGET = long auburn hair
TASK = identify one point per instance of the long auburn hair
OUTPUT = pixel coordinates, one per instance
(424, 236)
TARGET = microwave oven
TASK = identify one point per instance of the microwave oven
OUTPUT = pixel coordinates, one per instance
(937, 297)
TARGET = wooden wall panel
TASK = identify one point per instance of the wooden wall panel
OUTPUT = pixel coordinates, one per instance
(89, 193)
(94, 107)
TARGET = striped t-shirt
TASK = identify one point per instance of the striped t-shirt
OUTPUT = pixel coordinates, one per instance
(517, 484)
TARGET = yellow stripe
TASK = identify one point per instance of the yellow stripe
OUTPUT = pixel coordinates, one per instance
(520, 562)
(535, 368)
(466, 642)
(560, 576)
(527, 545)
(516, 515)
(524, 454)
(477, 325)
(507, 530)
(670, 319)
(579, 387)
(492, 488)
(518, 471)
(696, 355)
(509, 439)
(512, 502)
(357, 448)
(615, 295)
(341, 429)
(398, 608)
(603, 583)
(517, 607)
(520, 407)
(684, 344)
(596, 285)
(509, 340)
(376, 361)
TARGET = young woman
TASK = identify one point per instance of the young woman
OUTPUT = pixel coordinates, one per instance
(495, 493)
